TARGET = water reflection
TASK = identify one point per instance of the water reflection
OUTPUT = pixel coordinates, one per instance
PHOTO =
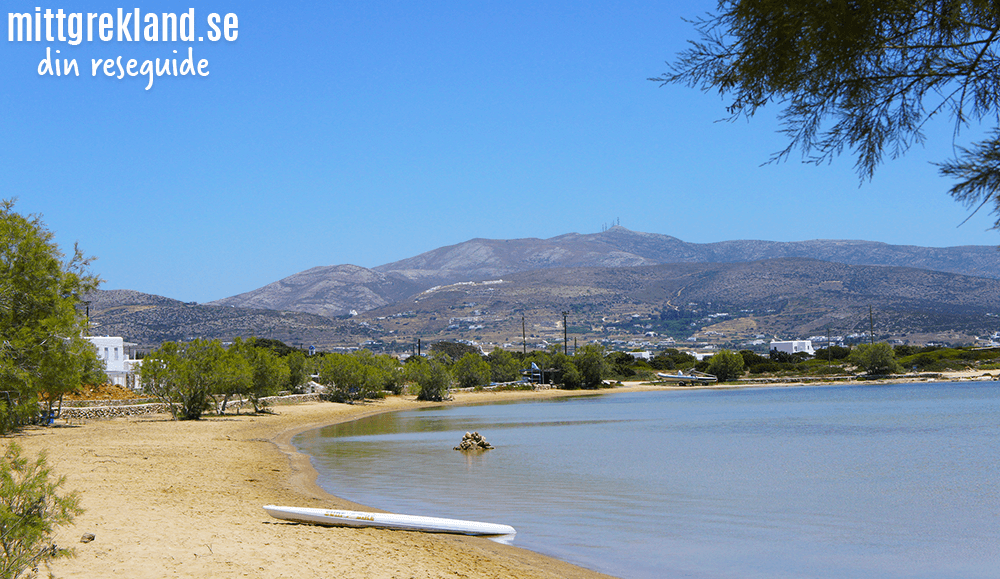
(806, 482)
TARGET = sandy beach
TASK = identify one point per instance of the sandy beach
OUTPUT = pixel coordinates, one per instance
(183, 499)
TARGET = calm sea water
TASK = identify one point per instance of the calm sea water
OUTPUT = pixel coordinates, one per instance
(815, 482)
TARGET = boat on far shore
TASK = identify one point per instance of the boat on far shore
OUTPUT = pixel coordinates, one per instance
(682, 379)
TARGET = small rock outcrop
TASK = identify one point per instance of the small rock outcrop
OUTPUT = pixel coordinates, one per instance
(473, 441)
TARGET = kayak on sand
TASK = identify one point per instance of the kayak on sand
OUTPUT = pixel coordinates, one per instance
(386, 521)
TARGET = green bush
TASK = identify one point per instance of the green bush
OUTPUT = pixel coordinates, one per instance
(726, 365)
(351, 377)
(471, 371)
(765, 367)
(751, 358)
(671, 359)
(503, 366)
(936, 359)
(592, 365)
(430, 376)
(30, 510)
(833, 353)
(875, 359)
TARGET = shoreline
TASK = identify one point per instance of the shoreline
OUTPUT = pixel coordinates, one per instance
(183, 499)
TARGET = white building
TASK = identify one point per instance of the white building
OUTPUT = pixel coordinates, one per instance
(794, 346)
(117, 363)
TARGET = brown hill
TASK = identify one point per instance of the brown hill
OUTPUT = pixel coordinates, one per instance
(789, 297)
(725, 303)
(337, 290)
(327, 291)
(150, 320)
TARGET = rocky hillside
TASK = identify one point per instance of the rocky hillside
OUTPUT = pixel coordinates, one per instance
(327, 291)
(723, 303)
(787, 297)
(337, 290)
(148, 320)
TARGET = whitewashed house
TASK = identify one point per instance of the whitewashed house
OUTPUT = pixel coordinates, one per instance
(794, 346)
(118, 365)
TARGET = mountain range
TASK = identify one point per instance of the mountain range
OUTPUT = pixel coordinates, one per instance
(611, 285)
(340, 289)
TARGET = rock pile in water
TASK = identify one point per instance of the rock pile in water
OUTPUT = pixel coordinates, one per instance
(473, 441)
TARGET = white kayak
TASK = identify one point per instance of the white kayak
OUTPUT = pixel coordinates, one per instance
(386, 521)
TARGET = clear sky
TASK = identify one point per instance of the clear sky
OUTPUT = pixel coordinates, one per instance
(367, 132)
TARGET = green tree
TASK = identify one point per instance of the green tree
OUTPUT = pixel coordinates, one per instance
(161, 374)
(298, 371)
(268, 373)
(833, 353)
(30, 511)
(391, 374)
(233, 374)
(503, 366)
(875, 359)
(726, 365)
(431, 377)
(751, 358)
(344, 377)
(358, 376)
(621, 365)
(570, 375)
(67, 364)
(277, 347)
(672, 358)
(186, 376)
(453, 350)
(39, 295)
(865, 75)
(471, 371)
(592, 364)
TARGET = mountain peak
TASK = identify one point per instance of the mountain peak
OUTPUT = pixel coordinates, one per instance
(336, 290)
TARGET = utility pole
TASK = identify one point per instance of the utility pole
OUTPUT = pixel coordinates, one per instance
(829, 358)
(871, 326)
(565, 339)
(524, 338)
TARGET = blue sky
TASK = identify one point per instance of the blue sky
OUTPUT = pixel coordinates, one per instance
(367, 132)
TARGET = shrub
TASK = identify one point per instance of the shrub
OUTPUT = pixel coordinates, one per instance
(503, 366)
(726, 365)
(751, 358)
(30, 510)
(672, 358)
(765, 367)
(430, 376)
(590, 361)
(875, 359)
(621, 364)
(833, 353)
(349, 378)
(471, 371)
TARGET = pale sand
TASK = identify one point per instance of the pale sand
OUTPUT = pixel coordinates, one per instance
(183, 499)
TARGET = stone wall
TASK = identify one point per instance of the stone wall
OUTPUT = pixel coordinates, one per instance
(122, 408)
(105, 412)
